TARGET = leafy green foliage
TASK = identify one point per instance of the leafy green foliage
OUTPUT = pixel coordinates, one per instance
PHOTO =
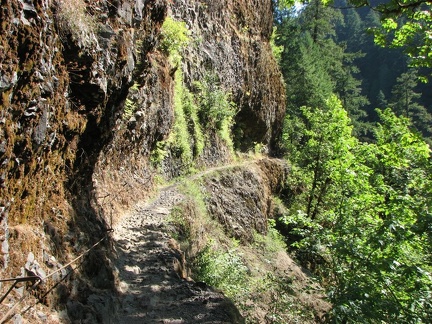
(315, 66)
(191, 111)
(216, 111)
(186, 141)
(223, 270)
(405, 102)
(359, 214)
(276, 49)
(131, 103)
(325, 143)
(407, 25)
(158, 154)
(272, 242)
(208, 107)
(283, 4)
(379, 256)
(174, 37)
(357, 219)
(180, 138)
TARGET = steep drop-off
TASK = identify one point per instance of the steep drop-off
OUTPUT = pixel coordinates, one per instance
(87, 95)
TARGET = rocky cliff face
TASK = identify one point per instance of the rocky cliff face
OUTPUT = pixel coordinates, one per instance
(241, 199)
(86, 96)
(232, 40)
(66, 68)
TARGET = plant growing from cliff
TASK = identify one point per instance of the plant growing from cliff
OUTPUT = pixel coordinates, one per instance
(129, 109)
(180, 139)
(195, 129)
(224, 270)
(158, 154)
(73, 19)
(186, 140)
(130, 105)
(174, 37)
(277, 50)
(272, 242)
(217, 111)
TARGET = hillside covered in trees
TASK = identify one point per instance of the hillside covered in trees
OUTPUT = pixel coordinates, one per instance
(358, 134)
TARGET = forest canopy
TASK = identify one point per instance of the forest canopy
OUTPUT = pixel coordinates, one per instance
(406, 24)
(358, 134)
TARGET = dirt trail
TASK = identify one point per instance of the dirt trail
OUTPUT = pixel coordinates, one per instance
(151, 291)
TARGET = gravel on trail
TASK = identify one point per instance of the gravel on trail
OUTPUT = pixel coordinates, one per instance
(150, 288)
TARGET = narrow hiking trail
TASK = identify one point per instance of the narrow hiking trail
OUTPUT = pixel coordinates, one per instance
(151, 291)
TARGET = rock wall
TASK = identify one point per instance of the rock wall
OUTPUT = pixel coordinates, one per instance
(241, 198)
(71, 156)
(231, 39)
(66, 70)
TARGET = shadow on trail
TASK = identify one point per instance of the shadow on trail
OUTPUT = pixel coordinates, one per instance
(152, 292)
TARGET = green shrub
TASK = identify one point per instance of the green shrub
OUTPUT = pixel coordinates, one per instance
(186, 140)
(129, 109)
(180, 222)
(180, 139)
(131, 102)
(158, 154)
(224, 270)
(276, 50)
(174, 37)
(191, 111)
(193, 190)
(217, 111)
(273, 242)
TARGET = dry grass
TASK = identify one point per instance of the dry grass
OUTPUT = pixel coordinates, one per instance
(26, 238)
(73, 19)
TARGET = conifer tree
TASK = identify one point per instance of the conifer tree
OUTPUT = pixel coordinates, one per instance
(405, 102)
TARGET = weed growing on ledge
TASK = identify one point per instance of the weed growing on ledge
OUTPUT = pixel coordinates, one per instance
(130, 104)
(224, 270)
(186, 140)
(180, 138)
(191, 111)
(158, 154)
(276, 50)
